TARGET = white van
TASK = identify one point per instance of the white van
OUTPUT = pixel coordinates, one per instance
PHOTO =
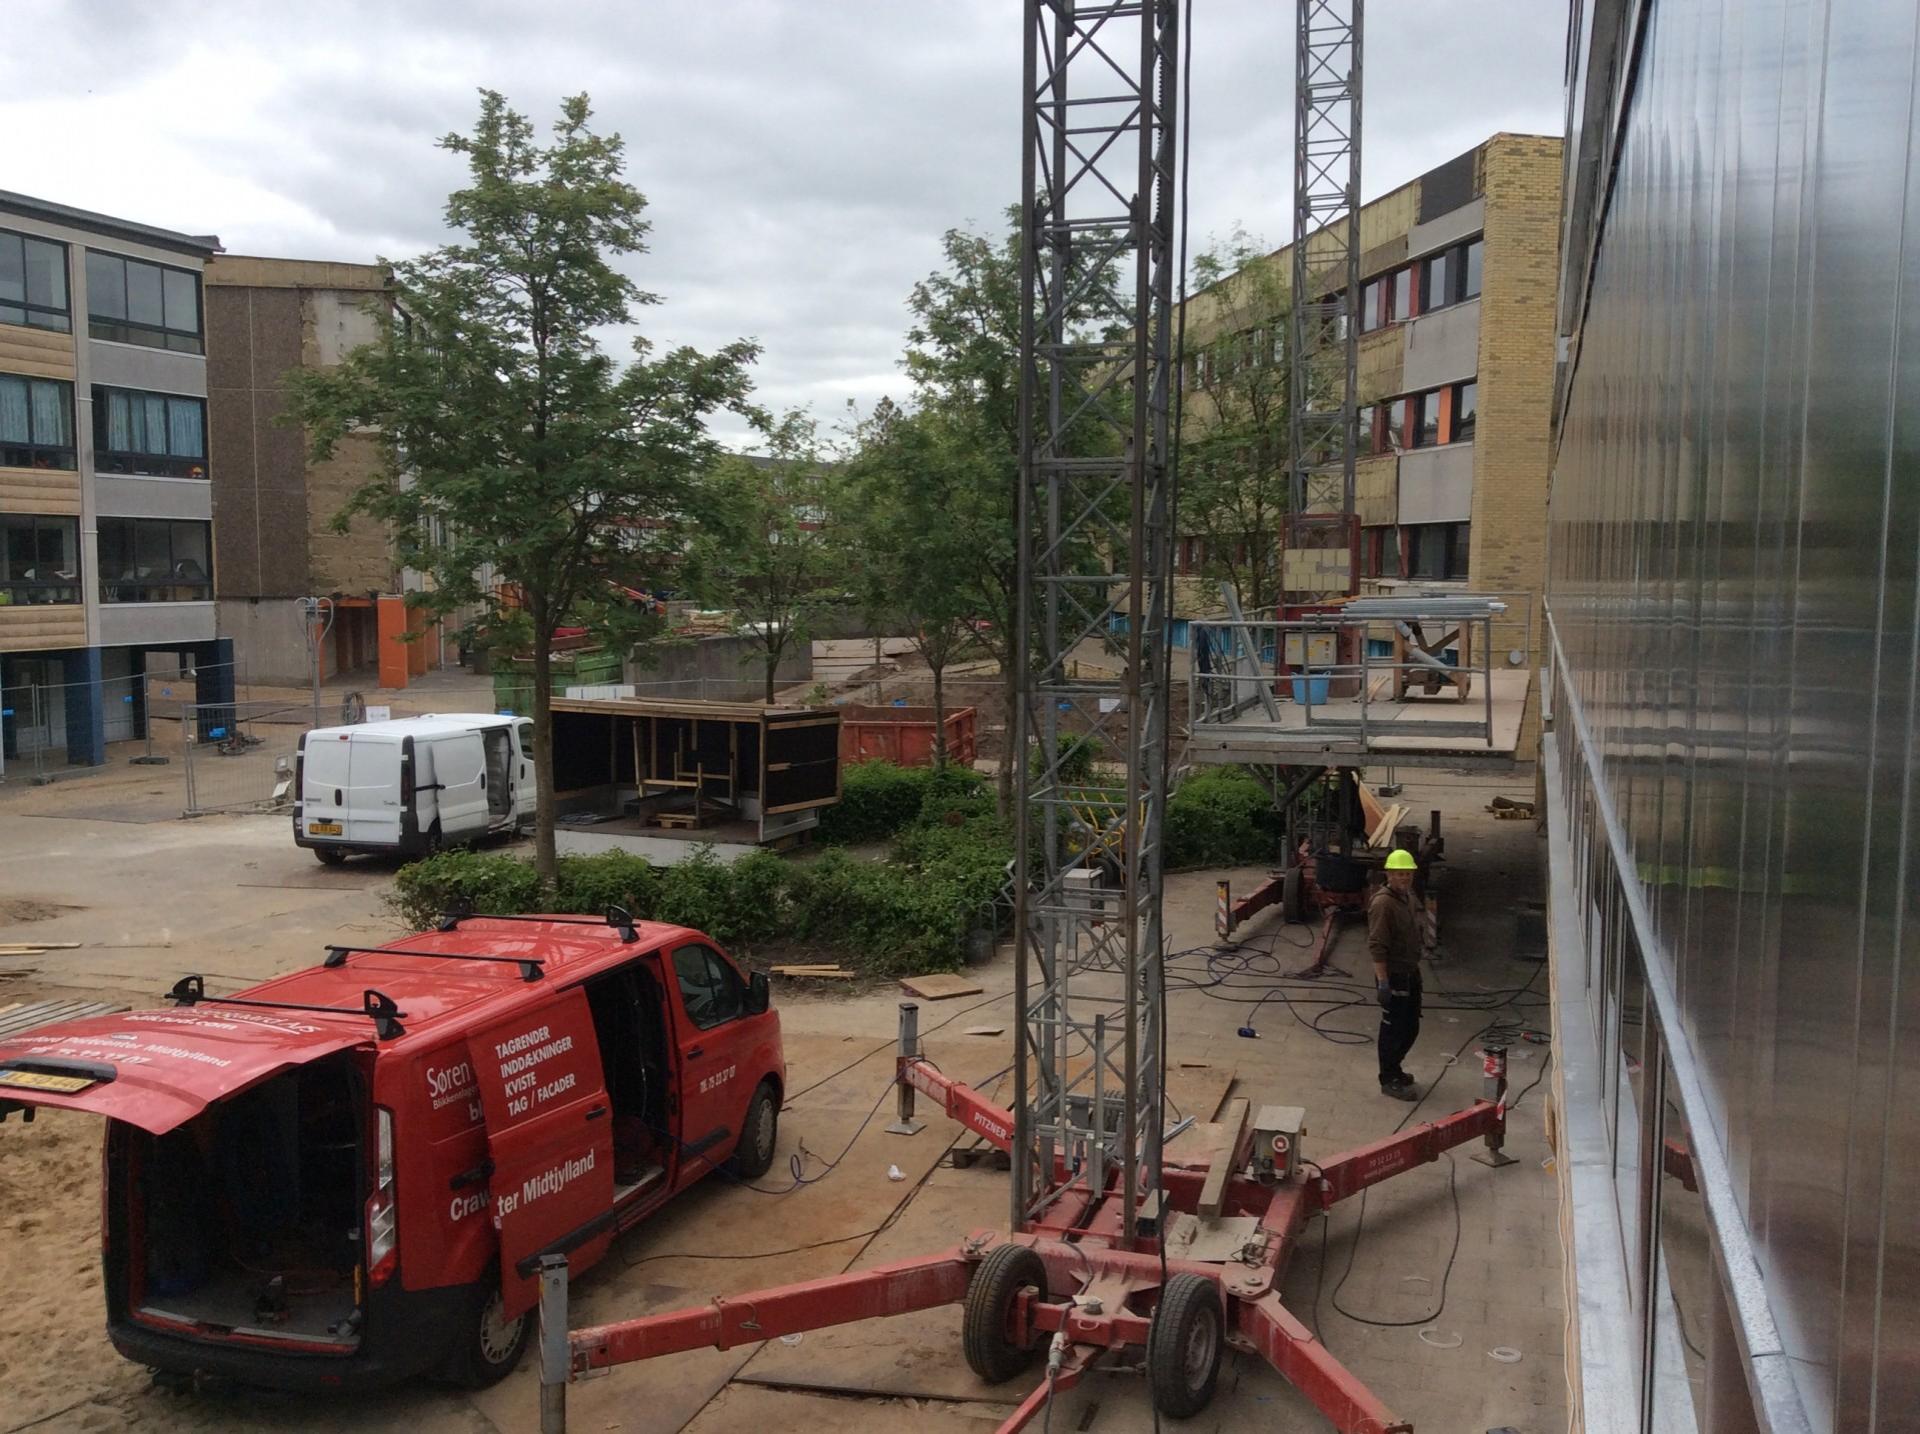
(412, 785)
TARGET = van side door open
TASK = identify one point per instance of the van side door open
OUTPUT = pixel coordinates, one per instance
(459, 776)
(549, 1138)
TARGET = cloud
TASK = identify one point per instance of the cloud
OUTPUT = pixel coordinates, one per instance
(801, 157)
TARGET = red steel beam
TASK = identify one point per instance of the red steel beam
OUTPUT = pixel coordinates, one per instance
(788, 1309)
(1354, 1171)
(1305, 1363)
(961, 1102)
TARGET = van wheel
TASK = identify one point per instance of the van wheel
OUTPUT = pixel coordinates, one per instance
(329, 855)
(489, 1346)
(753, 1156)
(433, 844)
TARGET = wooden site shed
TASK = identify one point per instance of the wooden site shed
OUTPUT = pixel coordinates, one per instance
(634, 772)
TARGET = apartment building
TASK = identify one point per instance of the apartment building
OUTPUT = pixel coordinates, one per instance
(105, 499)
(1732, 770)
(274, 507)
(1455, 376)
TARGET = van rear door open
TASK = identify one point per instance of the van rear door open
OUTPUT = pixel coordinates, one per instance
(158, 1069)
(549, 1136)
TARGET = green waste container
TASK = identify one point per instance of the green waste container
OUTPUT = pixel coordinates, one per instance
(513, 676)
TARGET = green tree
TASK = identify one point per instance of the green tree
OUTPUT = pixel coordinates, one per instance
(963, 356)
(761, 550)
(911, 564)
(1234, 485)
(513, 445)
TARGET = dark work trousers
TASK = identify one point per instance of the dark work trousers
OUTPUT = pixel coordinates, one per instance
(1399, 1025)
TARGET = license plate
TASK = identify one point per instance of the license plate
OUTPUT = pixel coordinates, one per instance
(323, 829)
(44, 1080)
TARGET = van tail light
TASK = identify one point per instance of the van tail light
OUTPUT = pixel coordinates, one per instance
(383, 1214)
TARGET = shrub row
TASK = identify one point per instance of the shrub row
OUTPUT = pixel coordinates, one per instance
(911, 913)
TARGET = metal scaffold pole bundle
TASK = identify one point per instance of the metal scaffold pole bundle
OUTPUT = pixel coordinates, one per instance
(1325, 298)
(1095, 570)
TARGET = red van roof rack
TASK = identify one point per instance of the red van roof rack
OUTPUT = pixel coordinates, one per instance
(376, 1005)
(531, 968)
(618, 917)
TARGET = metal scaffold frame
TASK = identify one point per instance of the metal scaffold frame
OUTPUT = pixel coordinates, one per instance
(1325, 328)
(1095, 562)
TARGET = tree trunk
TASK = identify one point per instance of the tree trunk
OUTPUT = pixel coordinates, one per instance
(939, 712)
(545, 860)
(773, 661)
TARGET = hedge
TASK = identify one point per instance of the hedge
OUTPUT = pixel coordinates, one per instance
(911, 913)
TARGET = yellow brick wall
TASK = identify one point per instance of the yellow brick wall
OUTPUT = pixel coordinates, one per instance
(1511, 439)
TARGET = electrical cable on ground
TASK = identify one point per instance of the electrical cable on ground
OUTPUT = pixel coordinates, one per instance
(1453, 1193)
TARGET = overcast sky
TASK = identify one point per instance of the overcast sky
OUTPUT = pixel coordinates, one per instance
(801, 157)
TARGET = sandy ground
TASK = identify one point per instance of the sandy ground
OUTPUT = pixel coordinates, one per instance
(231, 897)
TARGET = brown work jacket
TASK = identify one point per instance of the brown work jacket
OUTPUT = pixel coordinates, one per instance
(1393, 932)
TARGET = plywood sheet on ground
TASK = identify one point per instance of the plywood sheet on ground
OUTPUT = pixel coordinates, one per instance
(941, 987)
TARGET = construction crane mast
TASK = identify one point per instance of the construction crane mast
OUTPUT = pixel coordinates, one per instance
(1095, 571)
(1319, 560)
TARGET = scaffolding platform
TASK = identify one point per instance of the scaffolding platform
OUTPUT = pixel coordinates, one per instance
(1424, 681)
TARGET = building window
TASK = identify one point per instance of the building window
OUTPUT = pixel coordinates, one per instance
(1368, 429)
(33, 282)
(39, 560)
(1436, 282)
(156, 434)
(1380, 552)
(1373, 305)
(155, 560)
(1437, 551)
(133, 302)
(1396, 434)
(1402, 294)
(1426, 420)
(1466, 400)
(1474, 256)
(36, 423)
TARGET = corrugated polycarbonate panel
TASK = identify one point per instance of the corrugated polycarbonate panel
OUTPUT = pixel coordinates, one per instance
(1735, 572)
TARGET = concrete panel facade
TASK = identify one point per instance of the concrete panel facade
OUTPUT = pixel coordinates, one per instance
(1442, 347)
(132, 366)
(1436, 484)
(1449, 228)
(117, 497)
(134, 624)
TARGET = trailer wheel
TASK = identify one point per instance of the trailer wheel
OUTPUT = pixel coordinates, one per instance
(488, 1348)
(1290, 903)
(988, 1312)
(1183, 1346)
(329, 855)
(753, 1156)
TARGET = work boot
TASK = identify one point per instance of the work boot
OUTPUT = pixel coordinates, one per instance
(1405, 1091)
(1403, 1079)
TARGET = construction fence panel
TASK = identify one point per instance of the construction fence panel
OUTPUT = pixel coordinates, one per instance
(240, 756)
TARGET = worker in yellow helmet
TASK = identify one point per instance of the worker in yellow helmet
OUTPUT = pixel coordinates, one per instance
(1393, 939)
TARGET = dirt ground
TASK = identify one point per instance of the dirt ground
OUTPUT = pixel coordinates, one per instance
(232, 898)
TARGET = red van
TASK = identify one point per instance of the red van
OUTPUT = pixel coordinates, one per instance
(343, 1177)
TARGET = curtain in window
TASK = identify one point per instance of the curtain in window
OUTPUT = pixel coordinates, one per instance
(13, 411)
(153, 433)
(52, 421)
(119, 423)
(184, 437)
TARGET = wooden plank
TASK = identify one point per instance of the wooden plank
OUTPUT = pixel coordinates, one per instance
(1200, 1090)
(1370, 804)
(1213, 1192)
(984, 1030)
(34, 948)
(940, 986)
(41, 1013)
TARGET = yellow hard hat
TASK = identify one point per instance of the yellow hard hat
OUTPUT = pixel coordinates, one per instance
(1400, 859)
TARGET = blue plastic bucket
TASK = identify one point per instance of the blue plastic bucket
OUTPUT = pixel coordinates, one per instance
(1314, 688)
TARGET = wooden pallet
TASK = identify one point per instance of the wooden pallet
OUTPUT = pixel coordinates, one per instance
(31, 1014)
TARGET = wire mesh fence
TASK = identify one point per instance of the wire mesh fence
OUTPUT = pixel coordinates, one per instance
(48, 732)
(239, 756)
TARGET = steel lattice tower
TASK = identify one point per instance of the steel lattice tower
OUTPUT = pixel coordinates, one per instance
(1325, 284)
(1095, 566)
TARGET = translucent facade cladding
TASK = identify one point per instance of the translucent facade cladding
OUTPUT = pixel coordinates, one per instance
(1734, 543)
